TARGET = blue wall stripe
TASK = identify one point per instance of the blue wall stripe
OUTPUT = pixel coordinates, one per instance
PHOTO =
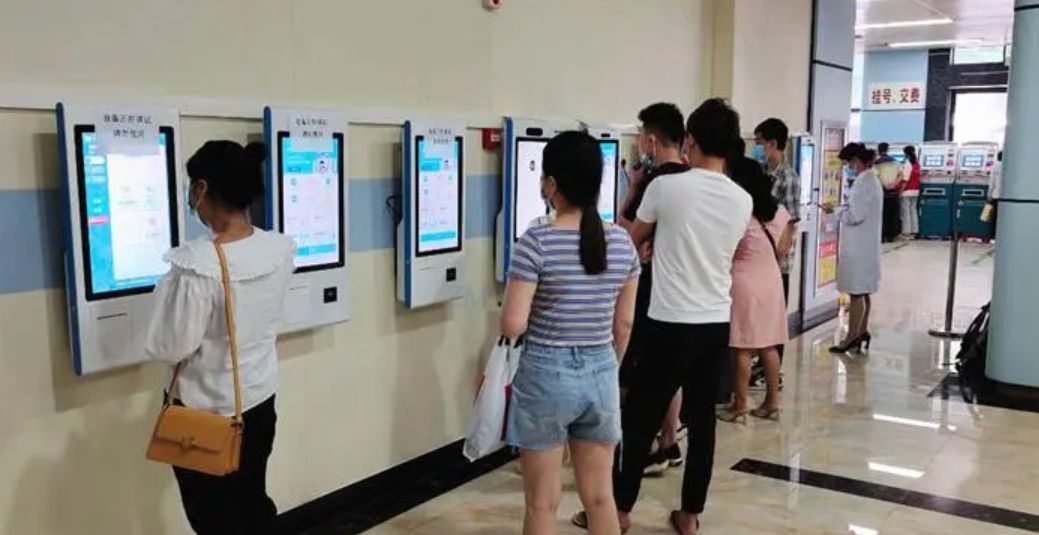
(31, 242)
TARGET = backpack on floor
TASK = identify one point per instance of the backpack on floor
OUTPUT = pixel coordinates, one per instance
(970, 361)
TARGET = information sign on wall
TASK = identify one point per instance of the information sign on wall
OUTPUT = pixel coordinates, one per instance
(829, 224)
(896, 96)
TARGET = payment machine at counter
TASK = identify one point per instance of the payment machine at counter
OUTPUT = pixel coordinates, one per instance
(306, 199)
(120, 214)
(977, 162)
(431, 233)
(937, 175)
(523, 141)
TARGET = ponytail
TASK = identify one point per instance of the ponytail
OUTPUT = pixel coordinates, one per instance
(592, 241)
(574, 160)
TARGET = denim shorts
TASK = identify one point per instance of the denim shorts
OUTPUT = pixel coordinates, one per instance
(564, 393)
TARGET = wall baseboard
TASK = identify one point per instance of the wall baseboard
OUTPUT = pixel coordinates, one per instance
(363, 505)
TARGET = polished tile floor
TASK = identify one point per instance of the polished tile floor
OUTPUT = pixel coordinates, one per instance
(860, 421)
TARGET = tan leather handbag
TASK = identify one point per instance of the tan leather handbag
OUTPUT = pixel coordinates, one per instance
(199, 440)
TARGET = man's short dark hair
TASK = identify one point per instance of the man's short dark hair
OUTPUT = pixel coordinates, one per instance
(664, 120)
(883, 148)
(773, 129)
(715, 127)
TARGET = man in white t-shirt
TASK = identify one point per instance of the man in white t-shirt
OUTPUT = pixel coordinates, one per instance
(696, 219)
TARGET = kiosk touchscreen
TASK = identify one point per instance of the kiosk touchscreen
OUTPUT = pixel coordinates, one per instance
(431, 233)
(523, 142)
(307, 201)
(609, 143)
(121, 199)
(937, 174)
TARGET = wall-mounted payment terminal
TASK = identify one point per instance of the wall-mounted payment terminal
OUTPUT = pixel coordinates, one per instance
(523, 141)
(306, 199)
(121, 197)
(431, 232)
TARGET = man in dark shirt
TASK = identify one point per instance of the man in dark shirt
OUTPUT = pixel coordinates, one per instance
(659, 144)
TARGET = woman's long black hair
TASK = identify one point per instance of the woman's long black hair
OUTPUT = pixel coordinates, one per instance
(910, 152)
(574, 160)
(752, 178)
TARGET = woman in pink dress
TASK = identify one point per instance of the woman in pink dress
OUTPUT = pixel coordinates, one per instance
(759, 319)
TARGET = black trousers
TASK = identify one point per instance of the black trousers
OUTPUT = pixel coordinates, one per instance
(679, 355)
(892, 221)
(237, 503)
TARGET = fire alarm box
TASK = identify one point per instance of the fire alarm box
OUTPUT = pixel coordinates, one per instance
(491, 138)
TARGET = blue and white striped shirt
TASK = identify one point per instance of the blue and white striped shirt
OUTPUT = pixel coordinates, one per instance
(571, 308)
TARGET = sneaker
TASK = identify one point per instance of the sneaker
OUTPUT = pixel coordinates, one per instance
(656, 464)
(760, 384)
(674, 456)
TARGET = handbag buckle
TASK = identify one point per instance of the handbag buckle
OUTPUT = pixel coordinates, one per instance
(187, 442)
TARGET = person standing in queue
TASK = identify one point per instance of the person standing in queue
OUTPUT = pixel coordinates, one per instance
(759, 323)
(770, 141)
(696, 220)
(189, 327)
(571, 295)
(889, 172)
(910, 194)
(860, 247)
(660, 145)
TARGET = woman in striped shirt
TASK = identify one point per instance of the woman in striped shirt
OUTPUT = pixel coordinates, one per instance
(571, 294)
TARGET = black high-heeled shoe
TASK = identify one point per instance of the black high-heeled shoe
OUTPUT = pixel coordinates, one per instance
(863, 339)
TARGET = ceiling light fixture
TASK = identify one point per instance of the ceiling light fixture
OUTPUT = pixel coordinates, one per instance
(943, 42)
(896, 470)
(903, 24)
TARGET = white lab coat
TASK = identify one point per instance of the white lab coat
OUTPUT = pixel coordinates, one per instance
(858, 262)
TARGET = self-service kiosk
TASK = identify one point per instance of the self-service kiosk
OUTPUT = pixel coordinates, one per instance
(937, 175)
(610, 144)
(431, 232)
(306, 199)
(523, 141)
(120, 212)
(976, 164)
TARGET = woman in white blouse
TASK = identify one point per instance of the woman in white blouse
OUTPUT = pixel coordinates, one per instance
(189, 326)
(859, 255)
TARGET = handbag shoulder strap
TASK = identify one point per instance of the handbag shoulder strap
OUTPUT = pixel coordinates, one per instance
(231, 339)
(771, 240)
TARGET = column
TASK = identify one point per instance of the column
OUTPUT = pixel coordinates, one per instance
(1013, 356)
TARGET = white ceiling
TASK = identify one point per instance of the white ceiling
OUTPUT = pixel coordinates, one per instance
(988, 20)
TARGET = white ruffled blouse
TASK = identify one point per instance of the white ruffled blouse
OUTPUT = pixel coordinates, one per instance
(189, 322)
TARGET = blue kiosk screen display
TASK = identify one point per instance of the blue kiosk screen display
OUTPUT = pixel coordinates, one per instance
(973, 161)
(608, 190)
(311, 202)
(127, 214)
(438, 197)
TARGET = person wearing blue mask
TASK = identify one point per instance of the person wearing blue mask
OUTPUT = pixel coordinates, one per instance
(859, 254)
(770, 140)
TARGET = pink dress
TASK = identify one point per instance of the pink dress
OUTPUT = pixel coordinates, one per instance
(759, 317)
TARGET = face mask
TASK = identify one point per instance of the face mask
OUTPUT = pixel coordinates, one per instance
(647, 162)
(548, 202)
(758, 153)
(849, 172)
(193, 209)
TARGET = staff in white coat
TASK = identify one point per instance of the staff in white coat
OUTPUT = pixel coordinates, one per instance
(858, 260)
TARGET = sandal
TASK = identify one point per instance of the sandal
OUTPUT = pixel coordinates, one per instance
(580, 519)
(677, 526)
(733, 416)
(766, 414)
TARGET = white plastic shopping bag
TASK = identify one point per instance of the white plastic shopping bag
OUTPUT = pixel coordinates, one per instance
(485, 433)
